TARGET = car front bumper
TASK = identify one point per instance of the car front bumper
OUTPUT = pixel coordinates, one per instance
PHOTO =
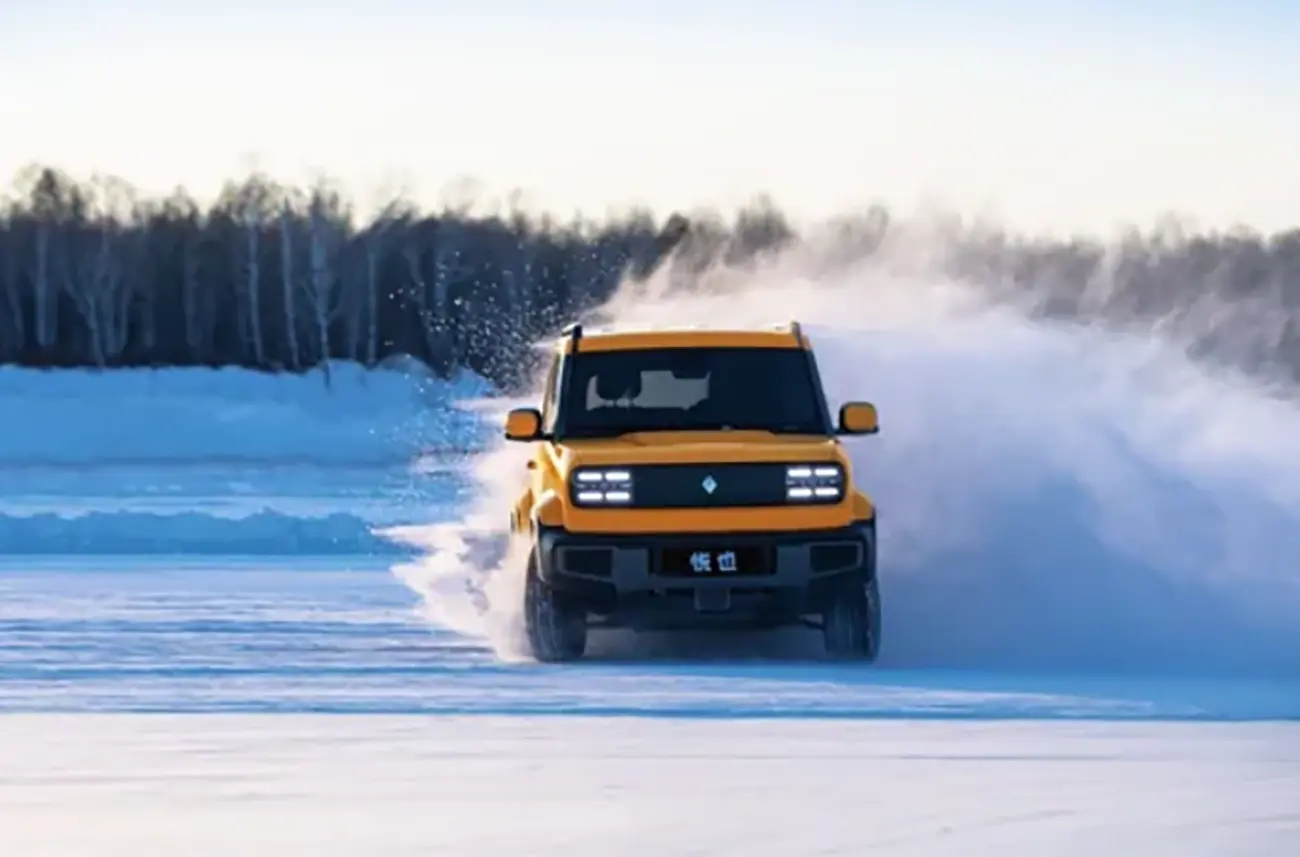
(623, 578)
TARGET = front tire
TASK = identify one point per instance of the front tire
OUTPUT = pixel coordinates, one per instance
(851, 623)
(556, 631)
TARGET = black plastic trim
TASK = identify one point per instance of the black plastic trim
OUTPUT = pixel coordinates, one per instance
(549, 538)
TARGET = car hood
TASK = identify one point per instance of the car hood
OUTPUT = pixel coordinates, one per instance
(712, 447)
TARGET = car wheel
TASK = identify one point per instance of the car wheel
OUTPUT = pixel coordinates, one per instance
(851, 623)
(556, 630)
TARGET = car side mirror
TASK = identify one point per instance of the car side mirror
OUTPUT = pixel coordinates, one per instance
(524, 424)
(858, 418)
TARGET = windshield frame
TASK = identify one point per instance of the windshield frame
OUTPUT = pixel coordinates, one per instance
(565, 389)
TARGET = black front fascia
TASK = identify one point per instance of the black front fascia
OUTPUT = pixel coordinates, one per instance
(550, 537)
(686, 486)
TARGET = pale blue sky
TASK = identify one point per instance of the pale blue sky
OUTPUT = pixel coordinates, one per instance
(1051, 114)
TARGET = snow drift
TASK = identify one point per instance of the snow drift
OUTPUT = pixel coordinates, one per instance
(140, 416)
(229, 461)
(1051, 497)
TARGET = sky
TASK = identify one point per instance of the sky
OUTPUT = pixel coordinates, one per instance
(1057, 115)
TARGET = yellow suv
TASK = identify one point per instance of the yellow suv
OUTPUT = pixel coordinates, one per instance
(693, 478)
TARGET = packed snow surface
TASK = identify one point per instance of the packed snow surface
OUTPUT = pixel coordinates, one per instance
(310, 786)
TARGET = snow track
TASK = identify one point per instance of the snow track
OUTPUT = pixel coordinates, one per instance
(336, 634)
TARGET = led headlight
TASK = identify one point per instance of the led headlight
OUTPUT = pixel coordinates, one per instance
(602, 487)
(815, 483)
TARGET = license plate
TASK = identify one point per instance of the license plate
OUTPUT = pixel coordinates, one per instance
(715, 561)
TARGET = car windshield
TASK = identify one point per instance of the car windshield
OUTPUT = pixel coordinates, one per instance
(710, 389)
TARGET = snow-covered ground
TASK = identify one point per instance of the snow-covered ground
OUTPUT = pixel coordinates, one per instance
(314, 786)
(196, 567)
(222, 416)
(200, 462)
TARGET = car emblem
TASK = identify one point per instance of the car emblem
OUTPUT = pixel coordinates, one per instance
(710, 484)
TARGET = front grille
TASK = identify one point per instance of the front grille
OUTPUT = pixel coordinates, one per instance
(685, 486)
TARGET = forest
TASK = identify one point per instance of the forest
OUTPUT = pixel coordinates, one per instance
(278, 278)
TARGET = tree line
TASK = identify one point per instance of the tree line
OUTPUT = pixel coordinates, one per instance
(279, 278)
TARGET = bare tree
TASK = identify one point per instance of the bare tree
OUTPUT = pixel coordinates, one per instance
(102, 294)
(254, 213)
(55, 204)
(326, 241)
(14, 330)
(377, 241)
(289, 284)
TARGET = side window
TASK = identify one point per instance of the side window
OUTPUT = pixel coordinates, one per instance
(550, 396)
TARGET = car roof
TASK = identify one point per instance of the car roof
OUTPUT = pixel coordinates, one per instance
(787, 335)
